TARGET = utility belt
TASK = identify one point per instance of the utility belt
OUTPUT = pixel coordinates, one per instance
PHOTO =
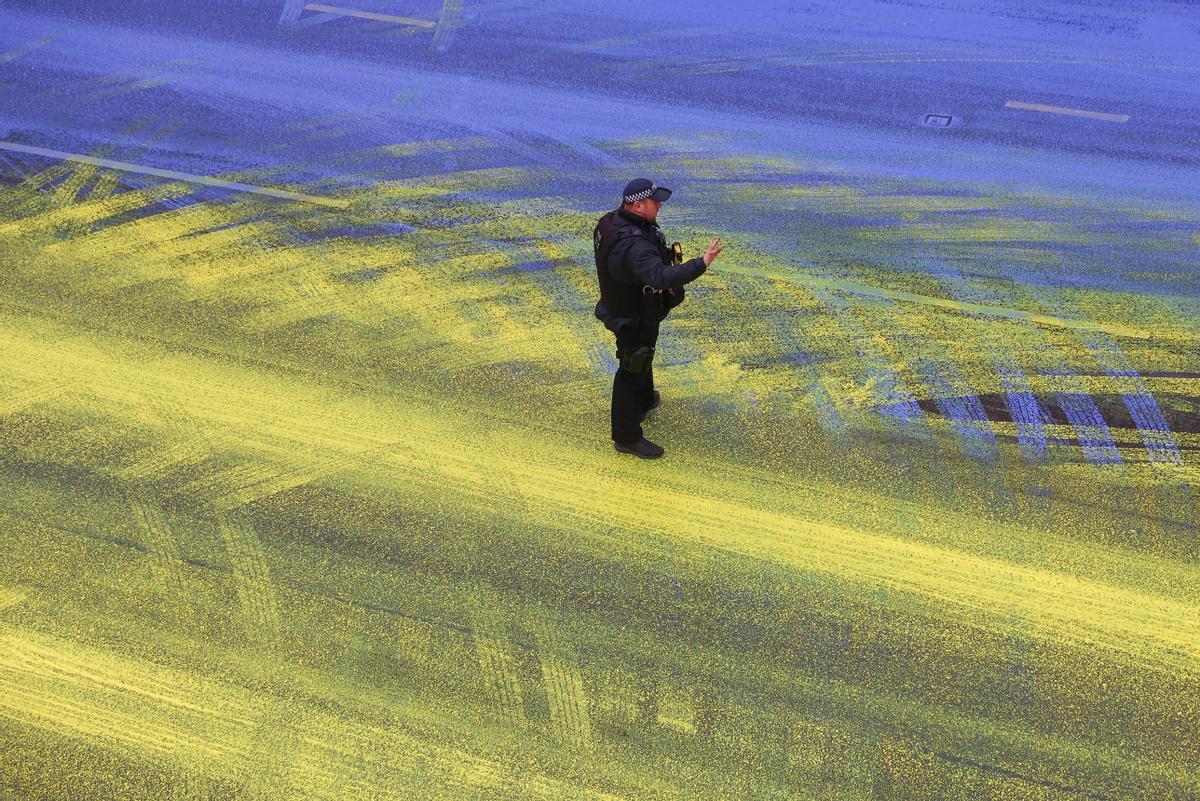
(655, 302)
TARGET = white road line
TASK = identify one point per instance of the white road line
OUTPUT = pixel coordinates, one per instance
(1074, 112)
(172, 174)
(291, 12)
(12, 55)
(350, 12)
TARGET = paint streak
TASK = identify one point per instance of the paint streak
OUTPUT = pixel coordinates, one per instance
(313, 500)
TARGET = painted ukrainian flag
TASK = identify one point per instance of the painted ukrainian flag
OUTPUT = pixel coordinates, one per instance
(307, 489)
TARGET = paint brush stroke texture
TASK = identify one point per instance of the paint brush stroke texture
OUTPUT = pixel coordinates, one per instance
(303, 410)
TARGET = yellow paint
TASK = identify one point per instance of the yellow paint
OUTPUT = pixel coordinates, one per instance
(253, 421)
(345, 519)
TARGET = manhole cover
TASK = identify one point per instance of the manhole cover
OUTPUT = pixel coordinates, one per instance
(937, 120)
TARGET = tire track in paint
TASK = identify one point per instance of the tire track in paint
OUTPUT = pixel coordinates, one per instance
(59, 185)
(568, 699)
(210, 727)
(500, 676)
(1028, 417)
(115, 701)
(1121, 620)
(161, 543)
(1157, 438)
(10, 597)
(109, 179)
(252, 577)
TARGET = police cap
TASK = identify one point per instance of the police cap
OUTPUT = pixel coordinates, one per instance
(642, 188)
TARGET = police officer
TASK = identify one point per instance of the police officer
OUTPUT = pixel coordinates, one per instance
(641, 280)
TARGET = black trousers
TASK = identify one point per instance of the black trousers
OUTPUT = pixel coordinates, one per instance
(633, 393)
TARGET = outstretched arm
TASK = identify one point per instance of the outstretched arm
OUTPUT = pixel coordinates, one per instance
(647, 266)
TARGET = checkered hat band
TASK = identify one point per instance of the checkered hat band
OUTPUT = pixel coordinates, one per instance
(645, 193)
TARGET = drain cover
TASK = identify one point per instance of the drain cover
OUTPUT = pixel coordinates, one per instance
(937, 120)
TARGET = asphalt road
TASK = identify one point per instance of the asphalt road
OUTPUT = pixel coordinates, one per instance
(308, 491)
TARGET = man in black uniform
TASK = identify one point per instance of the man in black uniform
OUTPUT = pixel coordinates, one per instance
(641, 280)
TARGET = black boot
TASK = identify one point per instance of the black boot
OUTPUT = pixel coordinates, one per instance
(653, 406)
(642, 447)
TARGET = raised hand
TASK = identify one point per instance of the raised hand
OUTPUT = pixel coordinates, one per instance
(713, 251)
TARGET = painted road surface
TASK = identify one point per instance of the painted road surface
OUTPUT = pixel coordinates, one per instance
(308, 491)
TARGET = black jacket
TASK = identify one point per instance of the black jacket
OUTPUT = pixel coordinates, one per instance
(633, 265)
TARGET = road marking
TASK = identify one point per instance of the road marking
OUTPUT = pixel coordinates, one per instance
(1073, 112)
(13, 55)
(178, 176)
(448, 22)
(351, 12)
(291, 12)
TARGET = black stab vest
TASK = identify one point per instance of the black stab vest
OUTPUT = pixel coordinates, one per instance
(622, 299)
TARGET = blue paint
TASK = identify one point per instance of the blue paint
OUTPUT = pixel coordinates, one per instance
(957, 403)
(906, 411)
(828, 417)
(1093, 433)
(1157, 438)
(607, 360)
(801, 357)
(864, 109)
(1027, 415)
(1029, 419)
(533, 266)
(1153, 429)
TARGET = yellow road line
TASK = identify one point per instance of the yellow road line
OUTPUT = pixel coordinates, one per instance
(174, 175)
(1073, 112)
